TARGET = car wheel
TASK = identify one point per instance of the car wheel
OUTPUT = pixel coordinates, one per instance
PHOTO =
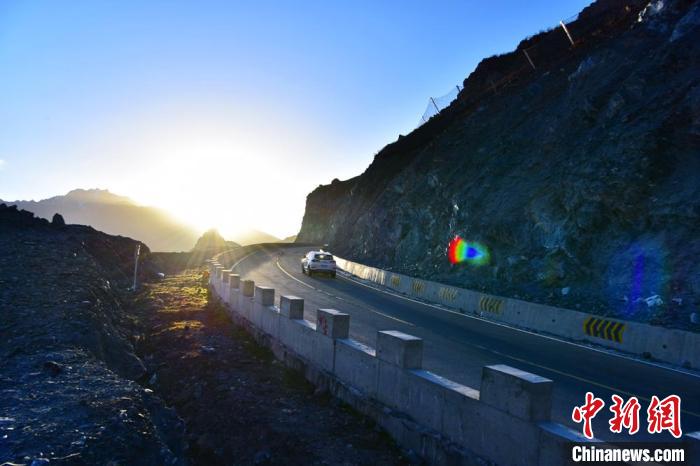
(302, 270)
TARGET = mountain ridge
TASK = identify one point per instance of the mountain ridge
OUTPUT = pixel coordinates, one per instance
(121, 215)
(118, 215)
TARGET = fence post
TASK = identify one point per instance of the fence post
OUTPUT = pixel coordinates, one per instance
(529, 59)
(563, 26)
(435, 105)
(136, 264)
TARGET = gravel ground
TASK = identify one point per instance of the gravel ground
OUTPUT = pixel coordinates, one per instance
(69, 391)
(240, 405)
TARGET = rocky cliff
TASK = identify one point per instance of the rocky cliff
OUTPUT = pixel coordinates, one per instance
(581, 177)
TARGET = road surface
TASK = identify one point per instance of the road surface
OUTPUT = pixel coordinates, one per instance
(458, 346)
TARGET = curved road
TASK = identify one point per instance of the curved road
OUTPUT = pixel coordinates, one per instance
(458, 346)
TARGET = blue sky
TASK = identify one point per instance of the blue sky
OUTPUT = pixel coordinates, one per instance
(256, 102)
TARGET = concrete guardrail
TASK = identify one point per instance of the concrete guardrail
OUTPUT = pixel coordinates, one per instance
(677, 347)
(507, 422)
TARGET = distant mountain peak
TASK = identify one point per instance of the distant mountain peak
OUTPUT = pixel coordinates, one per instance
(117, 215)
(253, 236)
(211, 240)
(97, 195)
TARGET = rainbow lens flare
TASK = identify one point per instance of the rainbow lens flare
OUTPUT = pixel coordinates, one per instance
(459, 251)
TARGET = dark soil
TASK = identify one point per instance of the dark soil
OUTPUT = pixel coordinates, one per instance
(239, 404)
(68, 373)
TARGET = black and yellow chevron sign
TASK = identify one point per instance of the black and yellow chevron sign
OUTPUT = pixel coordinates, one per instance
(395, 280)
(603, 328)
(447, 294)
(491, 304)
(417, 286)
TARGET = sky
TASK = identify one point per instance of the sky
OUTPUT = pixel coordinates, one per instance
(228, 113)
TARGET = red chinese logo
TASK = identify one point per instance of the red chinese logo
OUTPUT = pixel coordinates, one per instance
(624, 415)
(587, 412)
(661, 415)
(665, 415)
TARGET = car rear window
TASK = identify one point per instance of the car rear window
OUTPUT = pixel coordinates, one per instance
(324, 257)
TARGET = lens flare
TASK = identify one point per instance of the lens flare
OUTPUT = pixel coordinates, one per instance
(459, 251)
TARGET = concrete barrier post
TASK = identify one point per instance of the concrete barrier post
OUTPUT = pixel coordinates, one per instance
(265, 315)
(224, 285)
(518, 393)
(400, 384)
(296, 333)
(217, 279)
(212, 270)
(264, 295)
(234, 283)
(292, 307)
(332, 323)
(245, 298)
(400, 349)
(222, 278)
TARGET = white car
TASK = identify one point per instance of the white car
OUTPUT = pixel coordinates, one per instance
(318, 262)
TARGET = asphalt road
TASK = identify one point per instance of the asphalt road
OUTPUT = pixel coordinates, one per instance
(458, 346)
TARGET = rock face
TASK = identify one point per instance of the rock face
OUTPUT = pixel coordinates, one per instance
(212, 242)
(57, 220)
(69, 373)
(582, 175)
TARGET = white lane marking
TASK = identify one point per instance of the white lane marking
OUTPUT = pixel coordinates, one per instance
(244, 258)
(583, 379)
(575, 377)
(524, 361)
(391, 317)
(279, 266)
(292, 276)
(589, 348)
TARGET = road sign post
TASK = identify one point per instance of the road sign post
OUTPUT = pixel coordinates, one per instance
(136, 265)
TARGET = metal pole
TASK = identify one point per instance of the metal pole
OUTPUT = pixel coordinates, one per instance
(529, 59)
(563, 26)
(136, 264)
(435, 105)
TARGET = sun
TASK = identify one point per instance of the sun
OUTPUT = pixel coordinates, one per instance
(224, 175)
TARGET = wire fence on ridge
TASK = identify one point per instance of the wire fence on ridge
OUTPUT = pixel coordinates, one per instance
(539, 50)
